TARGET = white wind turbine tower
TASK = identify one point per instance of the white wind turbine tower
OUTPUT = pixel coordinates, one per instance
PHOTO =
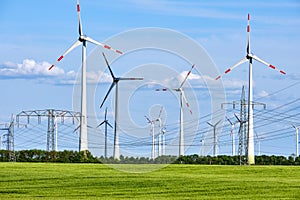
(216, 140)
(297, 139)
(182, 98)
(105, 122)
(83, 39)
(258, 143)
(115, 83)
(163, 131)
(232, 135)
(249, 57)
(152, 123)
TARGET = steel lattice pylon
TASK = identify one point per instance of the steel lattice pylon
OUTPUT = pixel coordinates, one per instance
(52, 116)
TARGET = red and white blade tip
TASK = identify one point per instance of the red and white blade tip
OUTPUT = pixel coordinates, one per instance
(109, 48)
(227, 71)
(273, 67)
(51, 67)
(248, 16)
(78, 7)
(59, 59)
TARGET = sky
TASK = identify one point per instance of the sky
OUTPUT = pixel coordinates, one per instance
(35, 33)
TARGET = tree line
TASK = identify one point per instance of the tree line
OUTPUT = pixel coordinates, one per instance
(68, 156)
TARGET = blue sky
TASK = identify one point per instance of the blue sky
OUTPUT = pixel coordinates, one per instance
(34, 33)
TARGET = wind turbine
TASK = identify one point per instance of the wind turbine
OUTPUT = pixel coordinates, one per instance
(249, 57)
(83, 39)
(159, 131)
(105, 122)
(115, 83)
(182, 98)
(216, 143)
(152, 123)
(163, 131)
(258, 143)
(297, 140)
(232, 135)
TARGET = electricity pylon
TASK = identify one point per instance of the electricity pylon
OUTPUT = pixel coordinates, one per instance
(52, 116)
(242, 119)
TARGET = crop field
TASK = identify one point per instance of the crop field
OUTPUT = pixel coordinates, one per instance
(98, 181)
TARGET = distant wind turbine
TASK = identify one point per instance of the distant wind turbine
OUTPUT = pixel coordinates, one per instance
(152, 124)
(249, 57)
(297, 139)
(83, 39)
(159, 132)
(115, 83)
(232, 135)
(105, 122)
(216, 143)
(182, 98)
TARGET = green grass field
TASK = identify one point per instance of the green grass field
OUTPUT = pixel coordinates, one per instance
(96, 181)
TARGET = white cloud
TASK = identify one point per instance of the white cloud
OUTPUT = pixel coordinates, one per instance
(30, 69)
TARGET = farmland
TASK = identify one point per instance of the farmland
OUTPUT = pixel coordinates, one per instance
(95, 181)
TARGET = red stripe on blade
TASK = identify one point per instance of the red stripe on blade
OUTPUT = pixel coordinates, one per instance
(120, 52)
(61, 57)
(228, 70)
(282, 72)
(218, 77)
(51, 67)
(248, 28)
(165, 89)
(248, 16)
(272, 66)
(107, 47)
(78, 8)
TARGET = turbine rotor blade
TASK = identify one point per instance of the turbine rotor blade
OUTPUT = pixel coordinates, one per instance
(189, 72)
(267, 64)
(229, 120)
(79, 18)
(160, 112)
(186, 102)
(76, 129)
(76, 44)
(248, 31)
(237, 118)
(100, 124)
(147, 119)
(111, 87)
(232, 67)
(109, 124)
(112, 74)
(103, 45)
(218, 122)
(210, 124)
(130, 79)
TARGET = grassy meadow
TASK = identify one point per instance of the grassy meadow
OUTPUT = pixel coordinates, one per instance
(97, 181)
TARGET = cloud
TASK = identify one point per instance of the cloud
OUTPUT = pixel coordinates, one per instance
(30, 69)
